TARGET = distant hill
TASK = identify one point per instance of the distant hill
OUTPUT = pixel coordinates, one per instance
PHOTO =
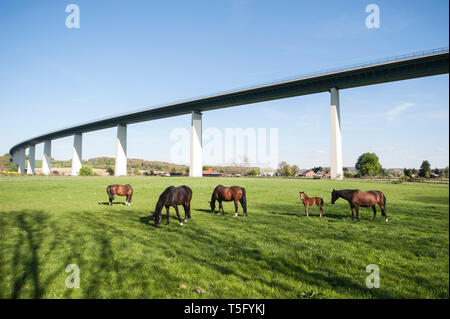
(133, 163)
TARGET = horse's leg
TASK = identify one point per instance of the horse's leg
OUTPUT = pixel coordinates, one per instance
(353, 217)
(383, 212)
(221, 208)
(374, 212)
(178, 214)
(130, 197)
(188, 205)
(320, 208)
(306, 209)
(111, 198)
(243, 207)
(185, 212)
(167, 211)
(126, 200)
(357, 214)
(235, 208)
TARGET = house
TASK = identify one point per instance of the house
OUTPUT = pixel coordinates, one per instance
(209, 172)
(309, 173)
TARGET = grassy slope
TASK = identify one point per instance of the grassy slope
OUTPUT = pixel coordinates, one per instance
(277, 252)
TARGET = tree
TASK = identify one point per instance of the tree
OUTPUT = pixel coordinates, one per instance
(284, 169)
(408, 172)
(110, 170)
(368, 164)
(253, 172)
(295, 170)
(445, 173)
(425, 169)
(317, 169)
(86, 171)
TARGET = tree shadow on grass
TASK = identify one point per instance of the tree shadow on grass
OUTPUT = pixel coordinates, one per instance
(255, 262)
(25, 262)
(106, 273)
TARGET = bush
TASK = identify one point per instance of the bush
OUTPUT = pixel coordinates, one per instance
(110, 171)
(86, 171)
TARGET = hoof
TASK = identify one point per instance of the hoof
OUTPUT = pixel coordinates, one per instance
(181, 224)
(218, 214)
(185, 220)
(387, 220)
(235, 215)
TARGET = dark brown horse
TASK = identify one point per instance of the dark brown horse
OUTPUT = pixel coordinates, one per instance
(357, 198)
(307, 201)
(121, 190)
(174, 196)
(228, 194)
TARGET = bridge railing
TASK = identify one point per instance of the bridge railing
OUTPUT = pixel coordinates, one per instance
(406, 56)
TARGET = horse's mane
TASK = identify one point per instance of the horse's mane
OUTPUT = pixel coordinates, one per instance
(346, 193)
(162, 199)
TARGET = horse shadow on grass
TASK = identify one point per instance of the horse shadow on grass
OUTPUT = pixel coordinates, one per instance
(114, 203)
(202, 210)
(297, 209)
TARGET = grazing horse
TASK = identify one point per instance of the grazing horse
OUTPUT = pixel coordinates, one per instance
(228, 194)
(121, 190)
(311, 201)
(357, 198)
(174, 196)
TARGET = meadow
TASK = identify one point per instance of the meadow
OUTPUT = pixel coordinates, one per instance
(47, 223)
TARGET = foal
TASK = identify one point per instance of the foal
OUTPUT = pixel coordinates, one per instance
(311, 201)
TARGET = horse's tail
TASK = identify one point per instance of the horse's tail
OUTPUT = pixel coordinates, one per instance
(384, 199)
(244, 199)
(321, 201)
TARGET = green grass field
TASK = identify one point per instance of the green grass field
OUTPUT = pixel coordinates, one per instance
(47, 223)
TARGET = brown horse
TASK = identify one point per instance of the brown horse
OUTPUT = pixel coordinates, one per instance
(121, 190)
(311, 201)
(357, 198)
(228, 194)
(173, 196)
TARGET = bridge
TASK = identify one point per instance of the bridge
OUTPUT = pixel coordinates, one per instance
(410, 66)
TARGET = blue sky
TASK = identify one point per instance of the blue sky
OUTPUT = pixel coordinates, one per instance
(128, 55)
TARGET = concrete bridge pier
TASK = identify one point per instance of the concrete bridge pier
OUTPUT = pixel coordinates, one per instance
(121, 151)
(21, 161)
(196, 158)
(77, 154)
(336, 140)
(46, 159)
(31, 158)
